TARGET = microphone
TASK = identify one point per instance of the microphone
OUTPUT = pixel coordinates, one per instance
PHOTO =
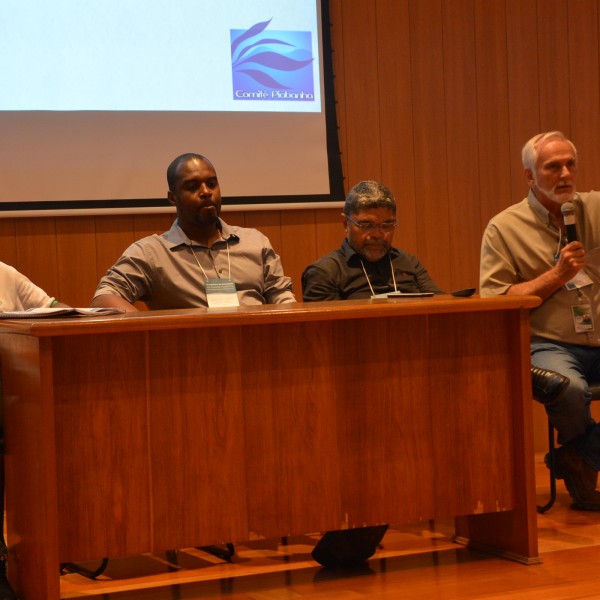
(568, 213)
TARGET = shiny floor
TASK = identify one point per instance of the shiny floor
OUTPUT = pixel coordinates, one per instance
(415, 562)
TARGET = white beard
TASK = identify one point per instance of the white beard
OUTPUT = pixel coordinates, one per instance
(554, 197)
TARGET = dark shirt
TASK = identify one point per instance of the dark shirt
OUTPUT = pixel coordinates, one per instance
(339, 275)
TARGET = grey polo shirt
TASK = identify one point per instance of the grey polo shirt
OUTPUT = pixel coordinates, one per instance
(162, 270)
(520, 244)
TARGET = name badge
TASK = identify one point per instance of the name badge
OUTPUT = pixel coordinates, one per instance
(221, 292)
(580, 280)
(582, 318)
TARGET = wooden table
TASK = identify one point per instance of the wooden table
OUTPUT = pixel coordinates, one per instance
(175, 429)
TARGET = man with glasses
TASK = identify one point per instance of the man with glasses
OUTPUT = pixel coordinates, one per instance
(366, 264)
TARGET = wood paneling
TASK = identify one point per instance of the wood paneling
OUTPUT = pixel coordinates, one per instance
(584, 86)
(113, 235)
(36, 252)
(395, 105)
(523, 89)
(493, 112)
(298, 244)
(76, 258)
(462, 137)
(429, 119)
(329, 230)
(361, 90)
(435, 98)
(8, 241)
(101, 400)
(553, 66)
(197, 436)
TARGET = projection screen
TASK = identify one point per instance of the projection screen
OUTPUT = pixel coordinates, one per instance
(99, 97)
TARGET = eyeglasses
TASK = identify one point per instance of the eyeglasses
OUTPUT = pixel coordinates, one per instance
(368, 226)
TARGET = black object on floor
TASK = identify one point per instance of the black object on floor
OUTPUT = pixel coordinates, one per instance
(348, 547)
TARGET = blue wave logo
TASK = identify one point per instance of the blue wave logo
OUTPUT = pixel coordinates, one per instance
(277, 65)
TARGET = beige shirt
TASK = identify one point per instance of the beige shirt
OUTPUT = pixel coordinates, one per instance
(520, 243)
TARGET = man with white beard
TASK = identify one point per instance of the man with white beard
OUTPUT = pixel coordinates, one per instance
(528, 249)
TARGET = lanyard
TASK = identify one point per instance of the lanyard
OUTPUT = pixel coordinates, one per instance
(369, 281)
(213, 260)
(560, 243)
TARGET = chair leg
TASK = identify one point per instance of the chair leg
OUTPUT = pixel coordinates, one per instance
(80, 570)
(552, 499)
(225, 554)
(6, 591)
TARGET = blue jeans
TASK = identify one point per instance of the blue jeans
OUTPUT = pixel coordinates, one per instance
(570, 414)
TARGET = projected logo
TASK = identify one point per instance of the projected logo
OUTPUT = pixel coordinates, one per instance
(274, 65)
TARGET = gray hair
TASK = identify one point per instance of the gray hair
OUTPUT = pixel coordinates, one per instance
(529, 154)
(368, 194)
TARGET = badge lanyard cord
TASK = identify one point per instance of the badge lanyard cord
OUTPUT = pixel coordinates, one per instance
(369, 281)
(217, 272)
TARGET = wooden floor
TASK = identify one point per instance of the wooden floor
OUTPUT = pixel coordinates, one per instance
(416, 562)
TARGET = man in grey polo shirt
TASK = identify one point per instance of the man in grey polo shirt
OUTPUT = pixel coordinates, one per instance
(526, 250)
(201, 261)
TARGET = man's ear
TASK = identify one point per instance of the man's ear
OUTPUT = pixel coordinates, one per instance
(529, 177)
(171, 198)
(344, 221)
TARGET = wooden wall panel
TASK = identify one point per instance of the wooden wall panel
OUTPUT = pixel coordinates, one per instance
(298, 244)
(113, 235)
(395, 104)
(240, 218)
(330, 231)
(431, 160)
(8, 242)
(268, 222)
(523, 89)
(76, 259)
(553, 65)
(584, 67)
(361, 91)
(144, 225)
(36, 252)
(492, 110)
(461, 140)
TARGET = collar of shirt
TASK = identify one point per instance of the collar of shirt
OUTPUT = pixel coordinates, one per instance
(175, 237)
(542, 212)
